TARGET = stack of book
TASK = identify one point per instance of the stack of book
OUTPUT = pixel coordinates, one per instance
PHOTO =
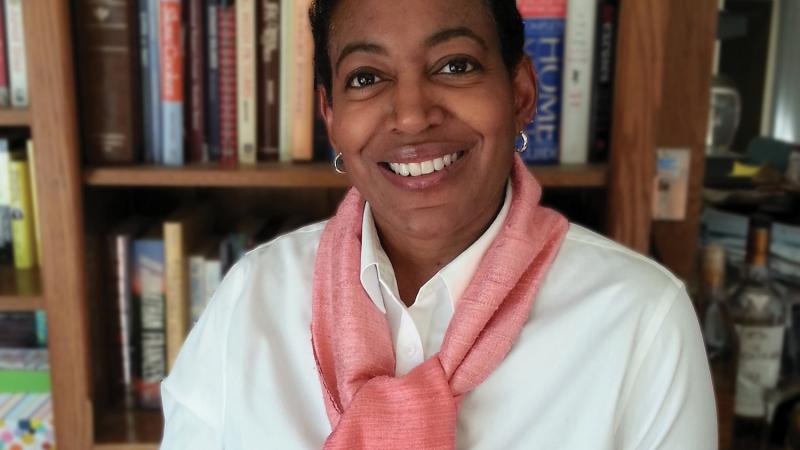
(163, 273)
(13, 65)
(188, 81)
(19, 243)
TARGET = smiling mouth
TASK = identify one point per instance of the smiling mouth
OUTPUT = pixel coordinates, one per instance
(417, 169)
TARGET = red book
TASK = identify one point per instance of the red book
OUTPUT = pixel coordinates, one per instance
(4, 99)
(195, 102)
(227, 83)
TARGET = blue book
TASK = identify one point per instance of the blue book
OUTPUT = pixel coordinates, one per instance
(544, 22)
(149, 295)
(171, 53)
(212, 81)
(151, 89)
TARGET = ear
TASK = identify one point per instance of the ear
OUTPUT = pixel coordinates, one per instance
(524, 84)
(326, 110)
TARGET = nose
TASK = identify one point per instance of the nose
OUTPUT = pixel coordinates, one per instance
(415, 107)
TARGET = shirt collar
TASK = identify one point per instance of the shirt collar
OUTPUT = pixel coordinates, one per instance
(376, 267)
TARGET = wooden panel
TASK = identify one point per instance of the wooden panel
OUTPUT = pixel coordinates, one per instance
(54, 128)
(19, 283)
(640, 67)
(15, 118)
(683, 119)
(128, 429)
(297, 175)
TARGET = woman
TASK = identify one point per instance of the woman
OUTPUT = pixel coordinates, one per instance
(441, 307)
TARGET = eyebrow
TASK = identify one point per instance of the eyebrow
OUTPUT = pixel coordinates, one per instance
(433, 40)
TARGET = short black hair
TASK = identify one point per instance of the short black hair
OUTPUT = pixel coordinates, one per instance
(507, 20)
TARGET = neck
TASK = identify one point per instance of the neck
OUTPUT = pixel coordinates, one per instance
(416, 259)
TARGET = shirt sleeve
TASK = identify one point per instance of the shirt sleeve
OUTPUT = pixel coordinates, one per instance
(670, 398)
(193, 395)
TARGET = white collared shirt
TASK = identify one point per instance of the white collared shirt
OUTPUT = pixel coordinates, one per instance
(611, 357)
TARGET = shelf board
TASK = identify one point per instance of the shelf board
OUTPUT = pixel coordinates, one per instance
(15, 117)
(20, 290)
(119, 429)
(281, 175)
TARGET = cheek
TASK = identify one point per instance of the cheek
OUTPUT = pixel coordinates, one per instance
(489, 113)
(354, 126)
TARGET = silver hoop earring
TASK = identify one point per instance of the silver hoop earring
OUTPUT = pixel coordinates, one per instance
(338, 164)
(524, 147)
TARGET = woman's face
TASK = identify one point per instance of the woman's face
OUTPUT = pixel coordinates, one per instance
(424, 111)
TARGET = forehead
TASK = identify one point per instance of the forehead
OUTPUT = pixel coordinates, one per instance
(406, 22)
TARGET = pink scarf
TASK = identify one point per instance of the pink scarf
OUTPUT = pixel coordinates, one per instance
(367, 406)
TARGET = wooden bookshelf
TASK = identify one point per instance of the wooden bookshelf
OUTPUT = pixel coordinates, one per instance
(277, 175)
(20, 290)
(128, 430)
(15, 117)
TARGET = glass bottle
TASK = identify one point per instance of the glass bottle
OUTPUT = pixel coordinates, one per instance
(715, 319)
(759, 317)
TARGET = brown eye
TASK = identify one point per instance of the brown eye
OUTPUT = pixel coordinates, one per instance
(457, 66)
(362, 79)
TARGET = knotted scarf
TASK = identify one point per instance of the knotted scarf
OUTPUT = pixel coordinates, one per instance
(368, 407)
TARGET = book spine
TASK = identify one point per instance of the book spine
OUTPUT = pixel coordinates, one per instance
(577, 81)
(268, 78)
(4, 91)
(197, 287)
(246, 80)
(299, 135)
(150, 79)
(17, 65)
(177, 296)
(544, 22)
(109, 91)
(6, 255)
(227, 83)
(171, 58)
(149, 291)
(37, 232)
(196, 101)
(121, 264)
(22, 216)
(212, 80)
(603, 90)
(213, 270)
(286, 70)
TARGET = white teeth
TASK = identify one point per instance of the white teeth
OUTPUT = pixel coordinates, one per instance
(423, 167)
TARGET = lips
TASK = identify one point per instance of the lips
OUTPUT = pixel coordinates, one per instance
(416, 169)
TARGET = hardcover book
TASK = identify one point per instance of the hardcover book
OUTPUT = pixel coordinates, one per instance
(246, 80)
(17, 64)
(171, 61)
(226, 39)
(269, 16)
(148, 296)
(603, 90)
(212, 80)
(108, 57)
(150, 79)
(196, 87)
(544, 22)
(6, 254)
(4, 97)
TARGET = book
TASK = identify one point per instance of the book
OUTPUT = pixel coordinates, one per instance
(150, 321)
(17, 59)
(297, 83)
(121, 263)
(181, 232)
(214, 273)
(196, 87)
(5, 99)
(577, 81)
(226, 41)
(212, 80)
(246, 80)
(268, 78)
(171, 64)
(150, 79)
(107, 48)
(544, 22)
(603, 89)
(18, 330)
(197, 286)
(6, 253)
(22, 213)
(37, 231)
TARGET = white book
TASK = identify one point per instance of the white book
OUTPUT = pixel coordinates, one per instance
(213, 276)
(197, 287)
(246, 80)
(5, 197)
(17, 66)
(576, 104)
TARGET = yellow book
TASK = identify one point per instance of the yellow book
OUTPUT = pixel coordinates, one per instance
(22, 215)
(36, 218)
(181, 231)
